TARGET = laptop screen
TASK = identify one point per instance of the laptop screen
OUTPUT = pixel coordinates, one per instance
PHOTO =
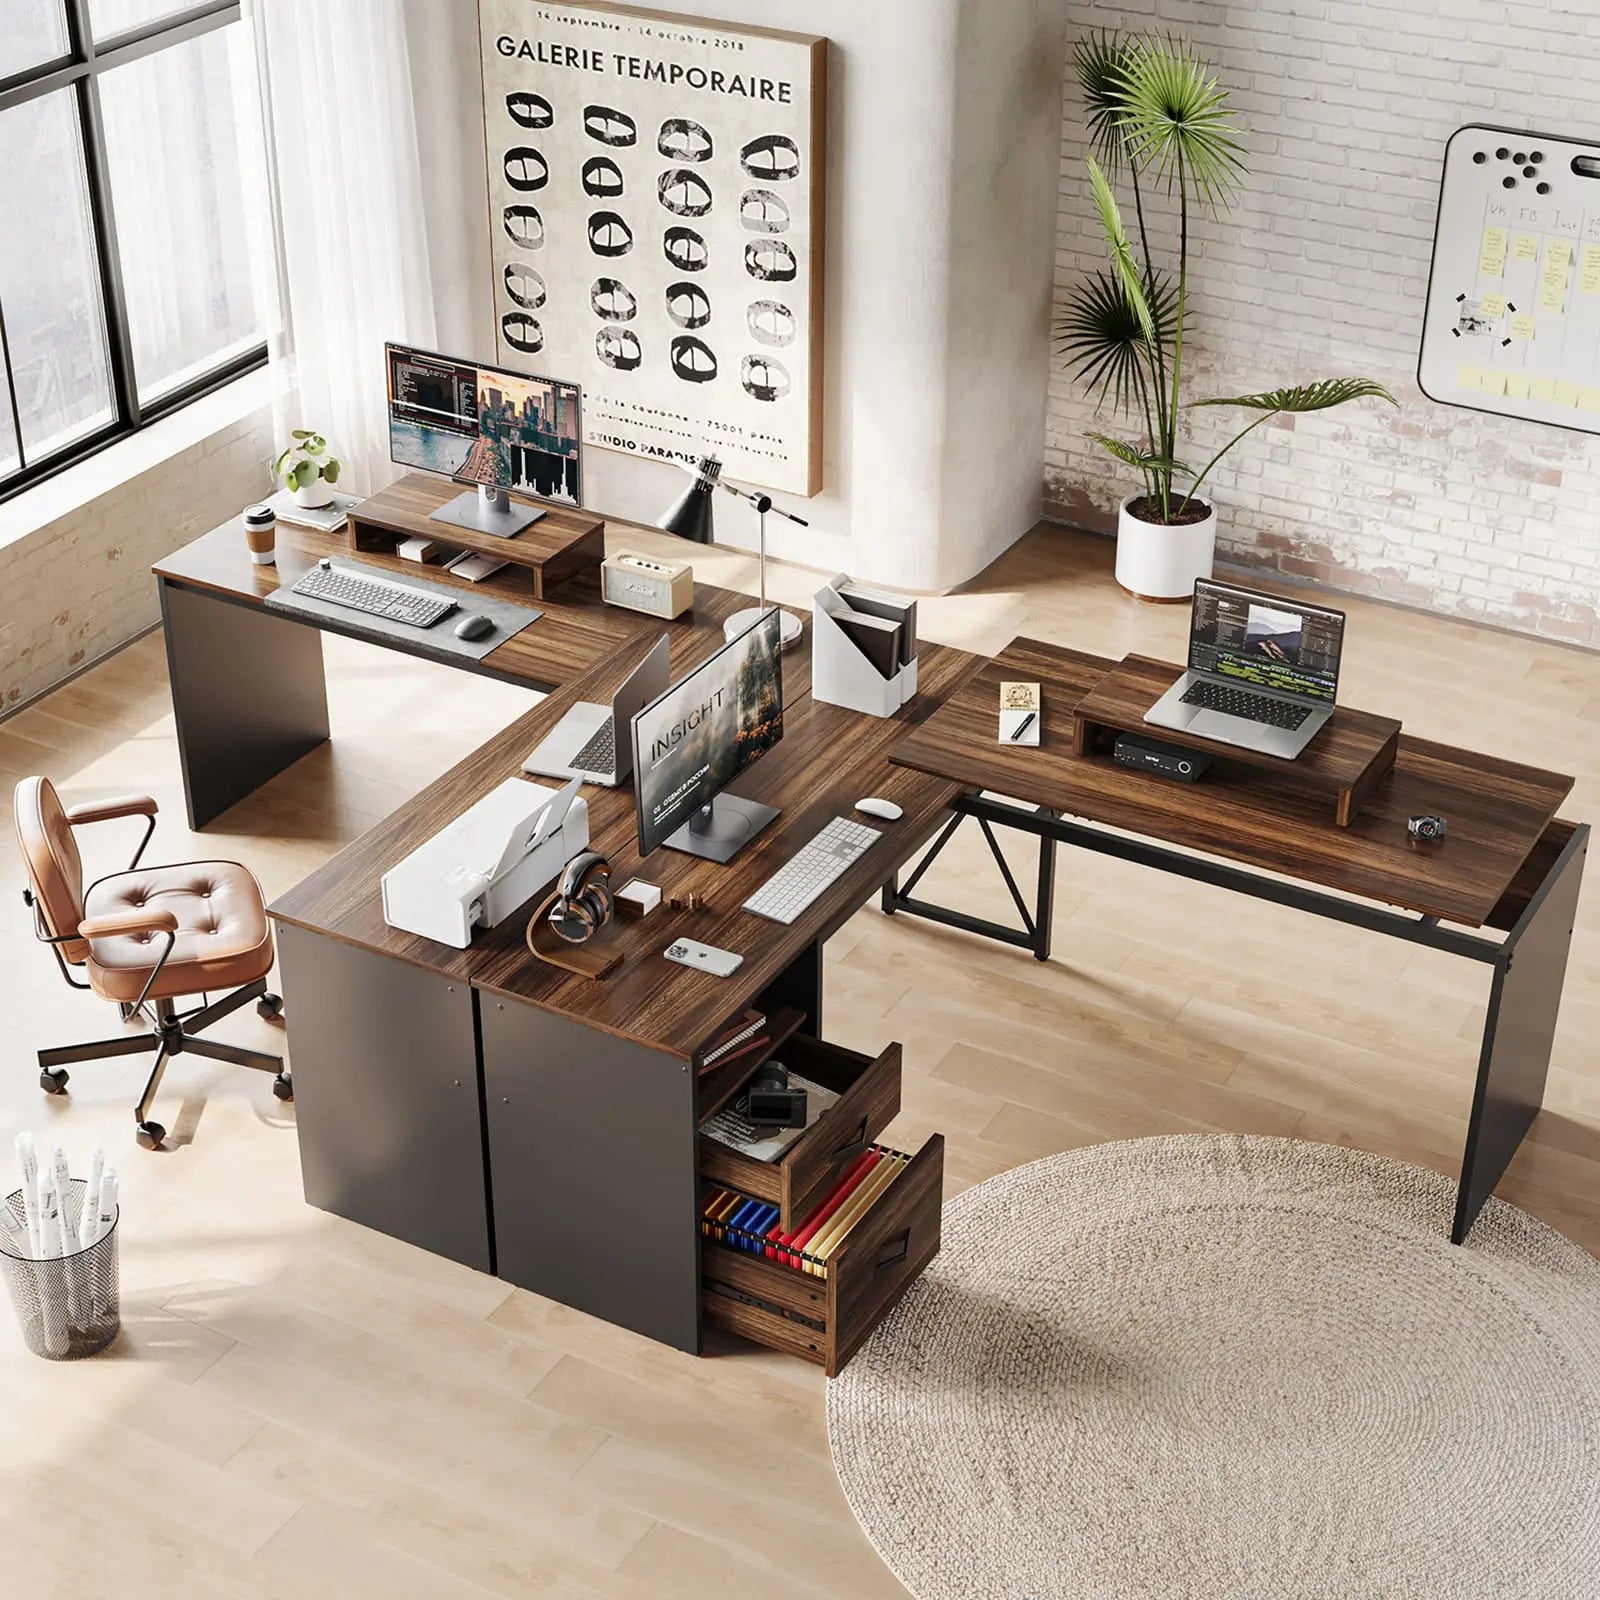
(1266, 640)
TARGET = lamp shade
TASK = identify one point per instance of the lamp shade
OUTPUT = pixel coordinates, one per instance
(690, 515)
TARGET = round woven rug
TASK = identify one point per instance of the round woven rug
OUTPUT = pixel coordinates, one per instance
(1231, 1367)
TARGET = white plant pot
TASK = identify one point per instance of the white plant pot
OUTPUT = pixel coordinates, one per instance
(314, 495)
(1155, 562)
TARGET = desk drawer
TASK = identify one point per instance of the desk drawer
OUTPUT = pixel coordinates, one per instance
(825, 1319)
(869, 1099)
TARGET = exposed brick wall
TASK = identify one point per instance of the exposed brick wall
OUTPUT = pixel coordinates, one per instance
(80, 586)
(1322, 269)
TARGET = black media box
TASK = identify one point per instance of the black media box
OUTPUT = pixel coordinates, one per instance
(1165, 760)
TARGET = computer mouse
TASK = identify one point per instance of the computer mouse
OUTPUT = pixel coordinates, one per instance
(875, 807)
(474, 627)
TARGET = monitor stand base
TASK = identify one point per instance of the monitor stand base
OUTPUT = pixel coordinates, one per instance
(487, 511)
(718, 831)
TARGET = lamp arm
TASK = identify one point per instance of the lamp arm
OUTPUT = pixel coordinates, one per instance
(762, 502)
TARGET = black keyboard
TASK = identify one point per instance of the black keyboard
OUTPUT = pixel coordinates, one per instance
(1242, 703)
(600, 753)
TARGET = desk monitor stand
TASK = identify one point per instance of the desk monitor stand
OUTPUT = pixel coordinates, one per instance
(488, 511)
(718, 832)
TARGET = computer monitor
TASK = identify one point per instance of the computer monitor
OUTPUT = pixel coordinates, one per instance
(500, 430)
(693, 741)
(1266, 640)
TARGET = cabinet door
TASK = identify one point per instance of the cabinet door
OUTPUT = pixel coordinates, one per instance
(592, 1166)
(386, 1095)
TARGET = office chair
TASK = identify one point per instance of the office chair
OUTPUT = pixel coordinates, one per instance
(145, 938)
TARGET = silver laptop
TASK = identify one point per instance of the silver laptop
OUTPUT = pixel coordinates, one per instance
(592, 741)
(1263, 670)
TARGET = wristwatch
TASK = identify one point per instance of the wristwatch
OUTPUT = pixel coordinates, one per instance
(1426, 828)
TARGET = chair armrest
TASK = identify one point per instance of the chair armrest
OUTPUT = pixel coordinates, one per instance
(143, 919)
(122, 805)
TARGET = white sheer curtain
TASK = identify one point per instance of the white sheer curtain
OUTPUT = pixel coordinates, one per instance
(353, 245)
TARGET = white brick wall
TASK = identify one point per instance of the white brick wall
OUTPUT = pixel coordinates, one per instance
(80, 586)
(1322, 269)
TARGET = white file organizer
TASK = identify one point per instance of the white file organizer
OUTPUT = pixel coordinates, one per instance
(840, 674)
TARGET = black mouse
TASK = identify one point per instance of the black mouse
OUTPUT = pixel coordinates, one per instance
(474, 627)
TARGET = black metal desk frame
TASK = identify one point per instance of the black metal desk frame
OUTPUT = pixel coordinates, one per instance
(1529, 964)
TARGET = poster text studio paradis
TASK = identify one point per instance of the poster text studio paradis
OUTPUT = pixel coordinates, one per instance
(672, 73)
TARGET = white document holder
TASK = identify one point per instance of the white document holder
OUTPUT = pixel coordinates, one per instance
(483, 866)
(840, 674)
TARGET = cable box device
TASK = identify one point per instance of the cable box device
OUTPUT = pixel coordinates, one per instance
(1165, 760)
(662, 589)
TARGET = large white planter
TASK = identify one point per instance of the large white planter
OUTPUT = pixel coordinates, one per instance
(1160, 563)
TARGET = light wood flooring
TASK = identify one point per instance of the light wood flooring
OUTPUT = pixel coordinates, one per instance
(301, 1408)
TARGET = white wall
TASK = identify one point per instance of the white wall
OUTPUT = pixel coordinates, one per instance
(1323, 269)
(944, 120)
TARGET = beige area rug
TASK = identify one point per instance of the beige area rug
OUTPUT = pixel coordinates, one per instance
(1237, 1369)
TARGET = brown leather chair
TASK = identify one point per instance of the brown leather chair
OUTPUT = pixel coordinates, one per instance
(146, 938)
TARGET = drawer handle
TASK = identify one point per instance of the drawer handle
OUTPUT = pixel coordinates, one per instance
(848, 1152)
(893, 1251)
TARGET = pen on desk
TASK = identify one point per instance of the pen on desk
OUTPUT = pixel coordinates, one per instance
(1022, 727)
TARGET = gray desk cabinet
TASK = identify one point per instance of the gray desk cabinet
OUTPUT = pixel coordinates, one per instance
(592, 1167)
(387, 1096)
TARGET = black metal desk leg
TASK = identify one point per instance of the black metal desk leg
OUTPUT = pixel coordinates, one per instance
(1044, 906)
(248, 696)
(1518, 1032)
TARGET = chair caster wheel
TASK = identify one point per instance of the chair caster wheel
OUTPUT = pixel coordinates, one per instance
(283, 1086)
(53, 1080)
(151, 1134)
(269, 1006)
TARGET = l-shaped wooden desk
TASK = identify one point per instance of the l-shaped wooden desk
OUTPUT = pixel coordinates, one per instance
(544, 1126)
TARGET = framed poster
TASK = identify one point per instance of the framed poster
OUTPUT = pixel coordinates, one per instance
(656, 212)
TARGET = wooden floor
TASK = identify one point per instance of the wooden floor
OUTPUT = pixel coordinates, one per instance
(302, 1408)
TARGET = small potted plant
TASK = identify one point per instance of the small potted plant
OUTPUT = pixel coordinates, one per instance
(308, 469)
(1157, 116)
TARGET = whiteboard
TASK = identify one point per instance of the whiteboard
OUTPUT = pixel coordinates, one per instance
(1513, 318)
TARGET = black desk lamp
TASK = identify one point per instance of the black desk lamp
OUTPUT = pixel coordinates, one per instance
(690, 517)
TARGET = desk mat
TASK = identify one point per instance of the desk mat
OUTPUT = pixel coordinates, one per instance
(440, 640)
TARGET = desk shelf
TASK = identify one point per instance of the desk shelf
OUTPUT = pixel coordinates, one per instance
(563, 543)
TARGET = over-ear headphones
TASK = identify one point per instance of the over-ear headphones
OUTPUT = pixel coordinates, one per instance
(583, 897)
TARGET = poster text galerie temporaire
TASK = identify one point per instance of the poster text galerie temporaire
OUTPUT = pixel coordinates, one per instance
(613, 64)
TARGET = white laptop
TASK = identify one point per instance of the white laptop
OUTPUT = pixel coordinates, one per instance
(1263, 670)
(592, 741)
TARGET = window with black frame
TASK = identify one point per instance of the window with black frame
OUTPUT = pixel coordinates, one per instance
(135, 235)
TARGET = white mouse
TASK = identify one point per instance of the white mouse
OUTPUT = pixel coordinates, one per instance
(874, 807)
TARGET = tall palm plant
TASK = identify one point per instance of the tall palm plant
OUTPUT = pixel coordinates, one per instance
(1158, 118)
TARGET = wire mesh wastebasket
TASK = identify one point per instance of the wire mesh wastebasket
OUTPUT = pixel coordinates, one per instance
(69, 1307)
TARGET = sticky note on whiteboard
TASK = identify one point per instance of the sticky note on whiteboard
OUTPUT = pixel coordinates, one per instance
(1494, 305)
(1525, 247)
(1589, 399)
(1469, 377)
(1558, 254)
(1492, 382)
(1543, 388)
(1517, 385)
(1492, 259)
(1522, 325)
(1589, 270)
(1552, 296)
(1566, 393)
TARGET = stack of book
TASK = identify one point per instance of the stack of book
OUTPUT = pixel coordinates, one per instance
(743, 1036)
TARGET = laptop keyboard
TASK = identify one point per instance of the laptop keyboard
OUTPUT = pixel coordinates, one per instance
(600, 754)
(1242, 703)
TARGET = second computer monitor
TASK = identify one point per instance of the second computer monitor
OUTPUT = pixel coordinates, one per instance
(692, 742)
(485, 425)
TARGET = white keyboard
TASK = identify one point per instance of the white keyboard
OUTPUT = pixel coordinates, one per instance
(822, 860)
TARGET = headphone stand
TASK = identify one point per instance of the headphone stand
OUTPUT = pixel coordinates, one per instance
(590, 960)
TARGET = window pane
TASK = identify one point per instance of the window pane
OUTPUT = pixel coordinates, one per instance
(34, 32)
(108, 17)
(49, 282)
(183, 137)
